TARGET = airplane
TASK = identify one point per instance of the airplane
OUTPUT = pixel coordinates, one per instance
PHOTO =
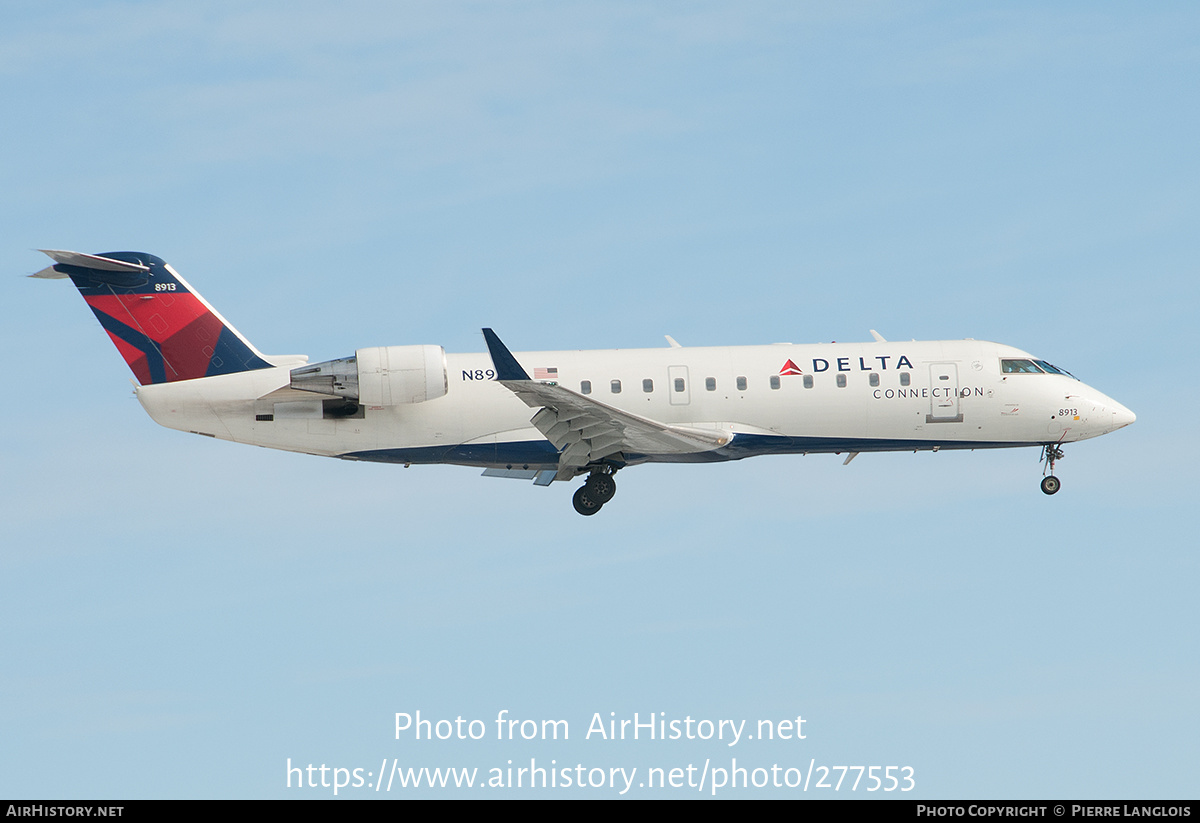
(556, 415)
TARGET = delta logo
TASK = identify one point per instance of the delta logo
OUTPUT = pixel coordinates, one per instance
(790, 368)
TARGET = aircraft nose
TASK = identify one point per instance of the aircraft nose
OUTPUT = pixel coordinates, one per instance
(1100, 414)
(1110, 415)
(1122, 417)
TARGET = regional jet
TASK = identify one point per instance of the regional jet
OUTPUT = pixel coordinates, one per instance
(556, 415)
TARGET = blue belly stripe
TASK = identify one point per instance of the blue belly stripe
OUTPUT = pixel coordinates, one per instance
(541, 453)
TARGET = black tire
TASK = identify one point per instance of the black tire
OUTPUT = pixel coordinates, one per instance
(601, 487)
(584, 504)
(1051, 484)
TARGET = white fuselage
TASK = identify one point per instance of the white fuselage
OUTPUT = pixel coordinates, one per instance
(846, 397)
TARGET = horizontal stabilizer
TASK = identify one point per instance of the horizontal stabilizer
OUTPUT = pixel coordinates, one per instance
(107, 271)
(92, 261)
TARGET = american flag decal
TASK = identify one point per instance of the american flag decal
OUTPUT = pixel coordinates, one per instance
(545, 374)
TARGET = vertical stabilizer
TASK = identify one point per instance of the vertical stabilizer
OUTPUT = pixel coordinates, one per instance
(165, 330)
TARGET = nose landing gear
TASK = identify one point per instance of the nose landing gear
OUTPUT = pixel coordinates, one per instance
(598, 490)
(1050, 453)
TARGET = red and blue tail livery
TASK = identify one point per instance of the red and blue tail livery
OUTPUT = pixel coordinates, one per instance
(165, 330)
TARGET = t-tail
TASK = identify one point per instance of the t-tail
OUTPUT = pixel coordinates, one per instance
(165, 330)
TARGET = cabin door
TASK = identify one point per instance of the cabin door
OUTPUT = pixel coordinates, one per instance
(943, 394)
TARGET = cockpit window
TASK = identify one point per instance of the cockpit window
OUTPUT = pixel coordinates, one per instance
(1019, 367)
(1032, 367)
(1055, 369)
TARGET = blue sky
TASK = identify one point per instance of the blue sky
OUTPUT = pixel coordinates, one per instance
(182, 616)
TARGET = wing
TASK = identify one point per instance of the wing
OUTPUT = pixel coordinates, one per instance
(586, 431)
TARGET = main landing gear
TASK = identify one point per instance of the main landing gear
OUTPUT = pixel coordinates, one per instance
(1050, 453)
(598, 490)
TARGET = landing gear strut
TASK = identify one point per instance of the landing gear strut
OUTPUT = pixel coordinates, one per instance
(598, 490)
(1050, 453)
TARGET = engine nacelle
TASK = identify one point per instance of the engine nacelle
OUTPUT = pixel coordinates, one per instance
(393, 375)
(381, 376)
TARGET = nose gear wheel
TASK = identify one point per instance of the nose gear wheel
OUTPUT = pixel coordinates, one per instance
(1050, 453)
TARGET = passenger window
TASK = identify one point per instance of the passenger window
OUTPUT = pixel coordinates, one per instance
(741, 384)
(616, 387)
(710, 384)
(678, 384)
(905, 378)
(585, 387)
(774, 381)
(808, 381)
(841, 381)
(647, 385)
(874, 379)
